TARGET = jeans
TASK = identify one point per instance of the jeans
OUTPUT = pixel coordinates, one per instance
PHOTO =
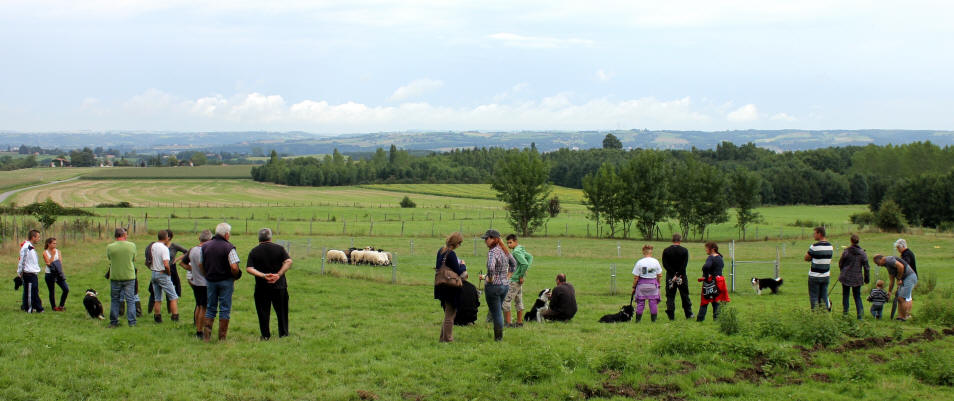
(495, 295)
(856, 292)
(52, 280)
(220, 299)
(161, 283)
(701, 316)
(876, 310)
(683, 290)
(119, 292)
(818, 291)
(31, 293)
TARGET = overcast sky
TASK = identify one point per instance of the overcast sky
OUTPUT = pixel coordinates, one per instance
(361, 66)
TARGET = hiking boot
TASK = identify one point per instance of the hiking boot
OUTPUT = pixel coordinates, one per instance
(175, 317)
(158, 318)
(207, 330)
(638, 318)
(223, 329)
(498, 334)
(671, 315)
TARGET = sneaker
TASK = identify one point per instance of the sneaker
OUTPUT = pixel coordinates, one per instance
(58, 309)
(158, 318)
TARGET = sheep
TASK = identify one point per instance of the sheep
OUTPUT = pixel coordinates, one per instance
(390, 258)
(357, 256)
(336, 256)
(377, 258)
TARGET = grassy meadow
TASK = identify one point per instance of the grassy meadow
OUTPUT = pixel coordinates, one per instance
(355, 335)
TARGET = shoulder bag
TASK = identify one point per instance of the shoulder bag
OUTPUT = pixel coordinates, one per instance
(445, 277)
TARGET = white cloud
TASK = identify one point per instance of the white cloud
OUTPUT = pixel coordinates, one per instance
(783, 117)
(415, 89)
(537, 42)
(744, 114)
(513, 91)
(603, 76)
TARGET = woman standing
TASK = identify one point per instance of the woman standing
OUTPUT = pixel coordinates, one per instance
(854, 272)
(714, 290)
(449, 296)
(500, 265)
(647, 273)
(54, 274)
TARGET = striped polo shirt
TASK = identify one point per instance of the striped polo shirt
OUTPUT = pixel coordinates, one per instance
(821, 253)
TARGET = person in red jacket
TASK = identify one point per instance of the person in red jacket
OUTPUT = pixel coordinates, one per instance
(714, 290)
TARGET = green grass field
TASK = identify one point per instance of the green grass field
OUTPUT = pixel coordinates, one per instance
(356, 335)
(199, 172)
(24, 178)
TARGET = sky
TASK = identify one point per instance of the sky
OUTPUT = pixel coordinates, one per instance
(333, 67)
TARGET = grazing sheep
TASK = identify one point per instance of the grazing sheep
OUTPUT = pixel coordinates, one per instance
(378, 258)
(336, 256)
(390, 258)
(357, 256)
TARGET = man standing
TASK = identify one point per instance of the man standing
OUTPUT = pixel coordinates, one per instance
(174, 249)
(122, 278)
(28, 266)
(191, 263)
(902, 246)
(562, 301)
(524, 260)
(268, 262)
(675, 258)
(820, 254)
(161, 278)
(220, 266)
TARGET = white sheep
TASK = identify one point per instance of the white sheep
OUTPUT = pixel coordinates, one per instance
(378, 258)
(357, 256)
(336, 256)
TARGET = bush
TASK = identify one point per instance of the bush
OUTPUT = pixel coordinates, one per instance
(945, 226)
(939, 310)
(407, 203)
(553, 207)
(729, 321)
(120, 205)
(890, 218)
(934, 368)
(807, 223)
(863, 219)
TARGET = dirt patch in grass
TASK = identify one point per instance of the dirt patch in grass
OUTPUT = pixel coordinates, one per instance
(864, 343)
(367, 395)
(609, 388)
(821, 377)
(412, 396)
(877, 358)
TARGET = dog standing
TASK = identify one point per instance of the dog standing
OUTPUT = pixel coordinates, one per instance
(542, 304)
(92, 304)
(759, 284)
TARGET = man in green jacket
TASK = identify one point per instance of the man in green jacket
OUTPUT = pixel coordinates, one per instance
(122, 278)
(524, 260)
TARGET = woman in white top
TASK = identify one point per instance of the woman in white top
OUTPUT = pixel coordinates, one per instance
(54, 274)
(647, 274)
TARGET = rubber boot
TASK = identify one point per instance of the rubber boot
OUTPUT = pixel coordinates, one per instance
(138, 309)
(653, 317)
(498, 334)
(223, 329)
(207, 330)
(638, 318)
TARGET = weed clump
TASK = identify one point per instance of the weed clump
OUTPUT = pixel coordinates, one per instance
(729, 321)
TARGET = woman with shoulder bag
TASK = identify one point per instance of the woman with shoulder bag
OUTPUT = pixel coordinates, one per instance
(444, 289)
(500, 265)
(714, 290)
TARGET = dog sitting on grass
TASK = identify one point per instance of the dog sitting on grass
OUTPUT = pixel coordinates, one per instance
(539, 306)
(92, 304)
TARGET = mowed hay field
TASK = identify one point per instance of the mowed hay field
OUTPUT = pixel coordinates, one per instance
(22, 178)
(356, 335)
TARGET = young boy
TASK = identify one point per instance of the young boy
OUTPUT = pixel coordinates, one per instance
(878, 298)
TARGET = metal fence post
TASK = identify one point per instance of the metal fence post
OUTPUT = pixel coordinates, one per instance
(613, 279)
(732, 255)
(778, 262)
(394, 268)
(618, 250)
(324, 251)
(412, 248)
(559, 248)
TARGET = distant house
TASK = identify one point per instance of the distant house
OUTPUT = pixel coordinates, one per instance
(62, 162)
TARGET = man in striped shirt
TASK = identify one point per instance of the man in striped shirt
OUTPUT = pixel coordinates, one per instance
(820, 254)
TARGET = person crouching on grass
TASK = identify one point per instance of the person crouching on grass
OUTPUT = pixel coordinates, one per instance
(515, 293)
(161, 278)
(268, 262)
(647, 273)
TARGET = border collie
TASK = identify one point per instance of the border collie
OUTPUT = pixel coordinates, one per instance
(539, 306)
(759, 284)
(92, 304)
(625, 314)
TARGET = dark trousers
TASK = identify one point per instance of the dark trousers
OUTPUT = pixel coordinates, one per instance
(856, 293)
(174, 275)
(701, 316)
(876, 310)
(683, 290)
(265, 300)
(31, 293)
(52, 280)
(818, 291)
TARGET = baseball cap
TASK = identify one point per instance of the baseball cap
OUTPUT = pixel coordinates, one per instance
(490, 234)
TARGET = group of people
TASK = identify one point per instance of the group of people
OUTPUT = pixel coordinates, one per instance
(212, 267)
(855, 272)
(507, 266)
(647, 276)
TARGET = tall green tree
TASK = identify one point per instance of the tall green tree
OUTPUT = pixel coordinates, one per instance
(522, 183)
(610, 141)
(603, 195)
(646, 181)
(746, 189)
(700, 197)
(199, 158)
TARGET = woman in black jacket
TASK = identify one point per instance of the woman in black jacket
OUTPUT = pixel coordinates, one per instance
(855, 272)
(449, 296)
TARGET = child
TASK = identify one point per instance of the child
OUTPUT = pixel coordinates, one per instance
(878, 297)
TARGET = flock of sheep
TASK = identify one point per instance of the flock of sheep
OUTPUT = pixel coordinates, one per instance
(356, 256)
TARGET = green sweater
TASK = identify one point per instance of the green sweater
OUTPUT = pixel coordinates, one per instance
(524, 260)
(121, 255)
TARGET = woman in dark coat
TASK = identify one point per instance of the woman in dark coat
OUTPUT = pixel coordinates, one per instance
(449, 296)
(712, 275)
(855, 272)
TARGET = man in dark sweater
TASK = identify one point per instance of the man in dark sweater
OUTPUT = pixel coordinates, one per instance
(675, 258)
(220, 266)
(902, 246)
(268, 262)
(562, 301)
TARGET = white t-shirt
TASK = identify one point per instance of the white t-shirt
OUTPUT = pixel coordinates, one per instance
(160, 253)
(647, 268)
(55, 256)
(195, 276)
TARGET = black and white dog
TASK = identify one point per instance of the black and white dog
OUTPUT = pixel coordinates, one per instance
(625, 314)
(542, 304)
(760, 284)
(92, 304)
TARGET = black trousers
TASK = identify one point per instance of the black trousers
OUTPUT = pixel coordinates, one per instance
(267, 299)
(683, 290)
(53, 280)
(174, 275)
(31, 293)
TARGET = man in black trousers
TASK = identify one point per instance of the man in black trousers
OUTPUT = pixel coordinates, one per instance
(268, 262)
(675, 259)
